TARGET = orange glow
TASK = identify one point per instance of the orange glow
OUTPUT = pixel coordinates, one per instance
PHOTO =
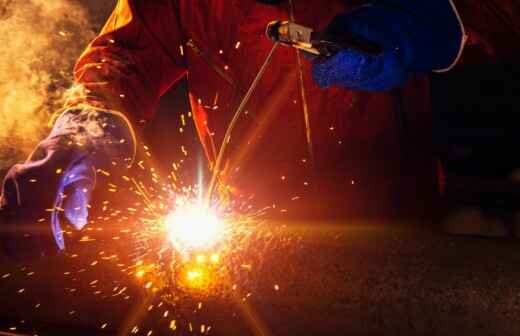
(193, 227)
(194, 275)
(215, 258)
(196, 278)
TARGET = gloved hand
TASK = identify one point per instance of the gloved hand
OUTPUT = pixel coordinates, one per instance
(58, 178)
(415, 36)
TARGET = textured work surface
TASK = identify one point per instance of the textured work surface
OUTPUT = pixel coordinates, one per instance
(346, 279)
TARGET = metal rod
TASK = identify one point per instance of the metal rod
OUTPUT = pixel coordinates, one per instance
(238, 113)
(305, 105)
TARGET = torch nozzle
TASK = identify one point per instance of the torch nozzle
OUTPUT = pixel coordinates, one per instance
(291, 34)
(324, 44)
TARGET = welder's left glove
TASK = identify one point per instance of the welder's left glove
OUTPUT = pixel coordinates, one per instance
(415, 37)
(57, 180)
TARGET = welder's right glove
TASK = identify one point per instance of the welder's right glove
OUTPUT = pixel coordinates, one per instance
(415, 37)
(57, 180)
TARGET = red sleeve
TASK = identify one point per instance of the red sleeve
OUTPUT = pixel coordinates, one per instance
(493, 28)
(134, 60)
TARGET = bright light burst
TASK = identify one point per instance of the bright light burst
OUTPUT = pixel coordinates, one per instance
(193, 226)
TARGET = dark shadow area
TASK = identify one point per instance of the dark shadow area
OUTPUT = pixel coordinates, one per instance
(476, 132)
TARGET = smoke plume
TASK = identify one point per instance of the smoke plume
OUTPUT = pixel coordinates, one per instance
(39, 42)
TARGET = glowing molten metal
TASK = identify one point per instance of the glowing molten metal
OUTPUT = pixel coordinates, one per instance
(193, 227)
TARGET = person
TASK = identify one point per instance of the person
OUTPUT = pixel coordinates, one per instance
(354, 127)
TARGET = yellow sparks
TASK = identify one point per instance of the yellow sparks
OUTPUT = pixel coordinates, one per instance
(103, 172)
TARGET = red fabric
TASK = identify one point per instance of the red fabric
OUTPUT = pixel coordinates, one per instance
(358, 150)
(493, 28)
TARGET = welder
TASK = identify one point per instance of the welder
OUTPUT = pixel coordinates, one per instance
(347, 132)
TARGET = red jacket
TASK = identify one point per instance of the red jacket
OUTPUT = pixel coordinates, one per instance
(146, 46)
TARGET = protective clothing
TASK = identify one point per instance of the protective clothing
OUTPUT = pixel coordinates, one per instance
(410, 36)
(270, 2)
(148, 46)
(61, 173)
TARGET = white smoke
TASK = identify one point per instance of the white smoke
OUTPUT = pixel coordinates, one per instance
(39, 43)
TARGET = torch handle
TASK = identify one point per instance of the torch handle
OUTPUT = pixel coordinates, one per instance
(329, 44)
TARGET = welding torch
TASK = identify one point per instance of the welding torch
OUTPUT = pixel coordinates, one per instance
(322, 44)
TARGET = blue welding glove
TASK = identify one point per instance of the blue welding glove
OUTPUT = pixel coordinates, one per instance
(58, 178)
(415, 37)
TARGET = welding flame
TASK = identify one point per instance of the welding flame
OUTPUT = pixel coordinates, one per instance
(193, 227)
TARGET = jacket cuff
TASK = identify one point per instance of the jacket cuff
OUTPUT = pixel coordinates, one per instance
(107, 135)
